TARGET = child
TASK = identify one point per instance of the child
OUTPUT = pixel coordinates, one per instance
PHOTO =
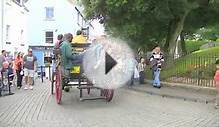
(216, 78)
(141, 67)
(7, 69)
(7, 77)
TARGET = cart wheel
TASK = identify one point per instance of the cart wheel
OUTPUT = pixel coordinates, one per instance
(88, 89)
(108, 94)
(58, 85)
(52, 83)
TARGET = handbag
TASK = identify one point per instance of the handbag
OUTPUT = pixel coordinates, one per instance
(22, 72)
(136, 73)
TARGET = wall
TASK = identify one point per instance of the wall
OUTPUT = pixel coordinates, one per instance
(1, 24)
(64, 21)
(14, 16)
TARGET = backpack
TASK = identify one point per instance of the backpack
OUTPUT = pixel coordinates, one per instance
(57, 50)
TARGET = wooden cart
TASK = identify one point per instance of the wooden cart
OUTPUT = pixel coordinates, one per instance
(75, 78)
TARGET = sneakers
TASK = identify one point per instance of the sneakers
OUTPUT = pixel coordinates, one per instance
(31, 87)
(155, 86)
(26, 88)
(216, 106)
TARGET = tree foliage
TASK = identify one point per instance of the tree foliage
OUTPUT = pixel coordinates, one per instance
(203, 21)
(146, 22)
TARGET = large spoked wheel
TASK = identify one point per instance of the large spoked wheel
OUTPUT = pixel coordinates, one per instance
(58, 85)
(88, 84)
(52, 82)
(108, 94)
(1, 86)
(88, 90)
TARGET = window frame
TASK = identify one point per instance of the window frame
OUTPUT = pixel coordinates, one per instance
(7, 33)
(49, 13)
(49, 37)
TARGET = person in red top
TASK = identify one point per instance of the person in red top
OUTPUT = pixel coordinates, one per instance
(18, 66)
(216, 79)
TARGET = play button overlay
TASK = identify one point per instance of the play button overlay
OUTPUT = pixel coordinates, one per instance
(109, 64)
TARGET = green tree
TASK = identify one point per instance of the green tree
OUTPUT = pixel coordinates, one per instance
(138, 21)
(146, 22)
(203, 21)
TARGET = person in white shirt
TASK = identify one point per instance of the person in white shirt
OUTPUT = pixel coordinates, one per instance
(141, 68)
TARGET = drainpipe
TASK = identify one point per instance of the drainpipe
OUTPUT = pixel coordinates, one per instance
(2, 23)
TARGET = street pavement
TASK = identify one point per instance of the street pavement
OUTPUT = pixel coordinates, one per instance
(129, 108)
(202, 95)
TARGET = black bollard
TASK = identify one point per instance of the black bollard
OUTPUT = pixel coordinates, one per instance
(41, 68)
(49, 73)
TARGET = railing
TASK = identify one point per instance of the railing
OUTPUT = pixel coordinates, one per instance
(193, 70)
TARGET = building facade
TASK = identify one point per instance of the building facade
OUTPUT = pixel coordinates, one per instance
(48, 19)
(13, 22)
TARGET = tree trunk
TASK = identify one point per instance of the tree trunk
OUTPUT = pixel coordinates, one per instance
(183, 43)
(175, 28)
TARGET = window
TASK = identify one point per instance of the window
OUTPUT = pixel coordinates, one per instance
(49, 12)
(7, 32)
(49, 37)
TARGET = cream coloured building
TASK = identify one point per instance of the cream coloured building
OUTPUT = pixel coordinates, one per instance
(13, 20)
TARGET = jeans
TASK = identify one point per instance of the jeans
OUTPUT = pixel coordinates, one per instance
(156, 81)
(19, 78)
(131, 81)
(141, 77)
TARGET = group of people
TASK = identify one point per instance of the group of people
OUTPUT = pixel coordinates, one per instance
(21, 65)
(64, 44)
(27, 65)
(156, 60)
